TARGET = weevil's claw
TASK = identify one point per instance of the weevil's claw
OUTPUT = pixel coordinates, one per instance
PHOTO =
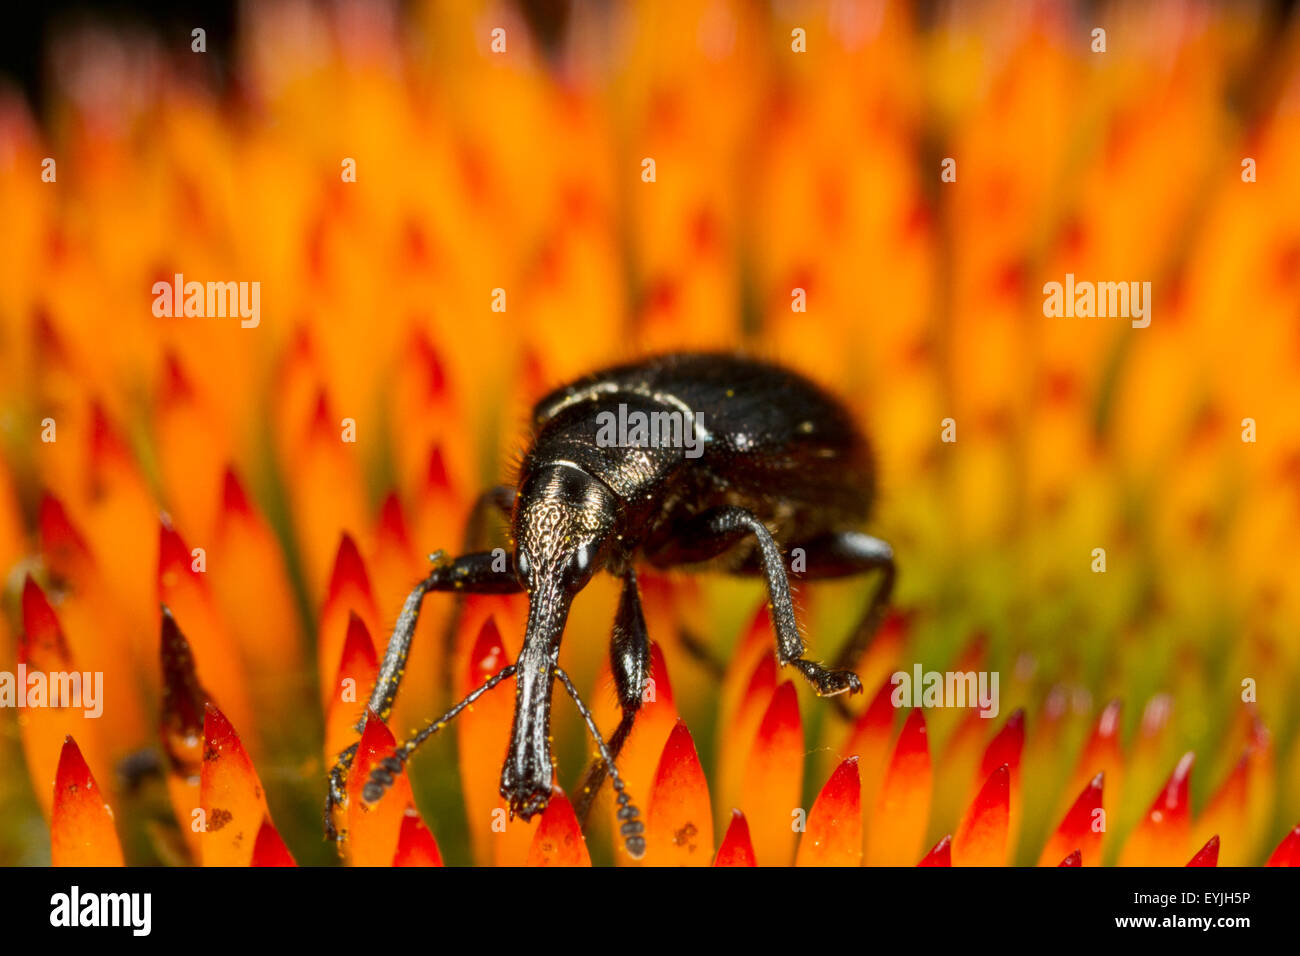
(827, 682)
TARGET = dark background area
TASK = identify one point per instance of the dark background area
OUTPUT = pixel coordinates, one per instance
(31, 26)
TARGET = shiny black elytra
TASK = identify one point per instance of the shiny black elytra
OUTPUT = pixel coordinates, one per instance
(777, 465)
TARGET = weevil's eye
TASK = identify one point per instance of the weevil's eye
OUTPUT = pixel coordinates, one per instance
(579, 568)
(523, 567)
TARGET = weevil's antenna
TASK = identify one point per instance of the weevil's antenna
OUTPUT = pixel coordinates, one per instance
(633, 830)
(596, 772)
(381, 777)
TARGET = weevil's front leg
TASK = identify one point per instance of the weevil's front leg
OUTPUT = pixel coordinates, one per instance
(479, 573)
(629, 658)
(483, 572)
(712, 532)
(500, 500)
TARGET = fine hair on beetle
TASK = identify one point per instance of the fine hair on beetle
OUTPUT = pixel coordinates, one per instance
(620, 471)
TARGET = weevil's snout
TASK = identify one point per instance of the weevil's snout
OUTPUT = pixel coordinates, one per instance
(562, 519)
(526, 802)
(528, 772)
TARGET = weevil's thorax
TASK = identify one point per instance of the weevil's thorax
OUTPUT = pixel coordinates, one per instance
(632, 445)
(764, 438)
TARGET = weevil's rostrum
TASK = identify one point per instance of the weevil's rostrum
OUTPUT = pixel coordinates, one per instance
(780, 466)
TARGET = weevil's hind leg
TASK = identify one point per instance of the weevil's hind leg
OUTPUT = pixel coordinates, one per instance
(480, 573)
(843, 554)
(708, 535)
(631, 828)
(629, 658)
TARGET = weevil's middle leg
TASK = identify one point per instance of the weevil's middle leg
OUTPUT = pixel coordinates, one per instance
(629, 658)
(479, 573)
(712, 532)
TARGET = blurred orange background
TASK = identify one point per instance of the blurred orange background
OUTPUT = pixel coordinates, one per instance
(517, 177)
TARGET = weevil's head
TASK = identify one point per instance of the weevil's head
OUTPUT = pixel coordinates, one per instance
(562, 521)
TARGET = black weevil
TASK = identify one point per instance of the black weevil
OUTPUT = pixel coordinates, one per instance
(718, 462)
